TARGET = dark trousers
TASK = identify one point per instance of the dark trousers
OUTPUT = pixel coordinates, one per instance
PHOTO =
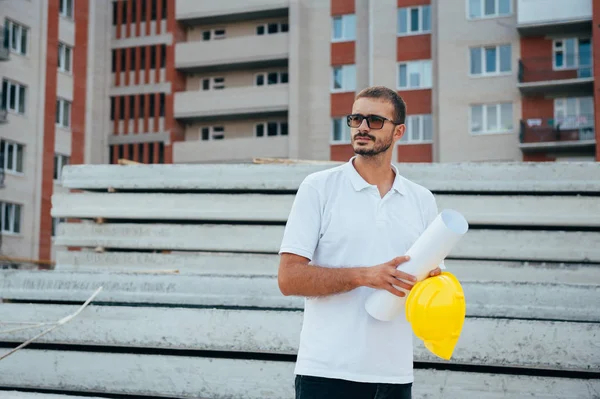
(308, 387)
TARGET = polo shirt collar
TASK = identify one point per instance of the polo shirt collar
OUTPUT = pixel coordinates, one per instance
(359, 183)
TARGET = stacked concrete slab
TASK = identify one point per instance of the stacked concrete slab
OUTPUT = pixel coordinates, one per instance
(190, 308)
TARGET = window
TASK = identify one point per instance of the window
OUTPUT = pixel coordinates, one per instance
(64, 58)
(212, 133)
(573, 53)
(55, 223)
(344, 28)
(66, 8)
(12, 156)
(414, 75)
(343, 78)
(574, 112)
(414, 20)
(491, 60)
(340, 131)
(419, 129)
(59, 162)
(491, 118)
(63, 113)
(11, 217)
(214, 83)
(272, 28)
(489, 8)
(13, 96)
(271, 129)
(270, 78)
(213, 34)
(17, 37)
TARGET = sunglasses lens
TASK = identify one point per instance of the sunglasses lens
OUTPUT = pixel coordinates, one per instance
(354, 120)
(376, 122)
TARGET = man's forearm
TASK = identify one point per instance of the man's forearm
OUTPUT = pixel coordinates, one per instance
(313, 281)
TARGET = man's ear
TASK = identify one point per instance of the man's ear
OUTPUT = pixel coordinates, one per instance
(399, 131)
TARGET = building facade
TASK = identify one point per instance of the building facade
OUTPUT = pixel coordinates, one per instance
(198, 81)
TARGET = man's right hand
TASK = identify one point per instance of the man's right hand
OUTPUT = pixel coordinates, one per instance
(386, 276)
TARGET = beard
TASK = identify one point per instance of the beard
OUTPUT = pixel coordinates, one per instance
(379, 146)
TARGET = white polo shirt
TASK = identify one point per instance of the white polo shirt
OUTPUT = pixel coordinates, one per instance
(340, 220)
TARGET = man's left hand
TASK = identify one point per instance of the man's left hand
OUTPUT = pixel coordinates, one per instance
(436, 272)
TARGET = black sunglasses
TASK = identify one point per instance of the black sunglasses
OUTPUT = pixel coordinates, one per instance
(373, 121)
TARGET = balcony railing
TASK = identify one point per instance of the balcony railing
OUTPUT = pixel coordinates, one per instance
(574, 128)
(4, 51)
(539, 69)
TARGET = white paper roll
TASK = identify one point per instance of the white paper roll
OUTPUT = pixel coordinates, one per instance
(430, 249)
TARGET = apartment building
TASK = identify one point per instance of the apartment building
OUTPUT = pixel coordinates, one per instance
(54, 72)
(558, 67)
(199, 81)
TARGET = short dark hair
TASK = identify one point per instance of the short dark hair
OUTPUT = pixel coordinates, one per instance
(384, 93)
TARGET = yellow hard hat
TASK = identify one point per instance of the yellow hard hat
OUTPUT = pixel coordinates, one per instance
(436, 309)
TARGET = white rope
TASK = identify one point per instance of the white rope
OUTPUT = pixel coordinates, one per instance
(35, 325)
(59, 323)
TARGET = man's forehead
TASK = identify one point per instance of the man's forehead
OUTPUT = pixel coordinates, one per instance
(372, 106)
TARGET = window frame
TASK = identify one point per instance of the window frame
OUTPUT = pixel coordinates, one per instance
(17, 98)
(491, 16)
(408, 32)
(13, 205)
(60, 160)
(265, 76)
(265, 125)
(213, 35)
(61, 104)
(346, 138)
(13, 169)
(212, 83)
(483, 73)
(62, 55)
(421, 74)
(498, 106)
(578, 114)
(265, 26)
(8, 23)
(343, 38)
(576, 54)
(211, 132)
(342, 89)
(421, 139)
(63, 8)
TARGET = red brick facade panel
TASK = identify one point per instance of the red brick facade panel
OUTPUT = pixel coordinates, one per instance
(417, 101)
(343, 53)
(410, 48)
(415, 153)
(341, 152)
(340, 7)
(410, 3)
(341, 103)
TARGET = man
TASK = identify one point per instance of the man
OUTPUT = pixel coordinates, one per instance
(347, 231)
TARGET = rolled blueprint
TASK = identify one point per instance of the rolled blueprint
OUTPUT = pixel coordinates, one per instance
(428, 251)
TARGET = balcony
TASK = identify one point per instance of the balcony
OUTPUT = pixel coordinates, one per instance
(544, 17)
(256, 51)
(232, 104)
(194, 12)
(572, 132)
(4, 51)
(538, 75)
(233, 150)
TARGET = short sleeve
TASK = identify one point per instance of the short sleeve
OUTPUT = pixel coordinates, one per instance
(302, 230)
(431, 212)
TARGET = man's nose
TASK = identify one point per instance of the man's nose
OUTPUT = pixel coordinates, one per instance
(364, 126)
